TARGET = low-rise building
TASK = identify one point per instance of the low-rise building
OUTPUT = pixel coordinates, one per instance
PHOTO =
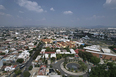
(58, 51)
(10, 68)
(95, 48)
(106, 50)
(24, 55)
(37, 58)
(46, 41)
(72, 51)
(53, 55)
(42, 51)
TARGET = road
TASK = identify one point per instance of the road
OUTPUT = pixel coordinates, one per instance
(57, 66)
(29, 62)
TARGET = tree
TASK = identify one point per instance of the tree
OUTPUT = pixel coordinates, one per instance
(89, 57)
(81, 76)
(58, 56)
(63, 76)
(100, 71)
(49, 49)
(58, 72)
(72, 69)
(95, 60)
(81, 47)
(35, 43)
(83, 67)
(2, 53)
(76, 71)
(30, 68)
(110, 64)
(46, 62)
(17, 72)
(20, 60)
(20, 52)
(65, 59)
(31, 51)
(44, 58)
(26, 74)
(50, 66)
(53, 58)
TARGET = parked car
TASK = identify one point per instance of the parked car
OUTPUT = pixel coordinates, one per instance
(22, 66)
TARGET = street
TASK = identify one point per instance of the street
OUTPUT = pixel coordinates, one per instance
(29, 62)
(57, 66)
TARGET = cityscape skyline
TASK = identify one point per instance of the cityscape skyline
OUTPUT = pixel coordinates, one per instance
(71, 13)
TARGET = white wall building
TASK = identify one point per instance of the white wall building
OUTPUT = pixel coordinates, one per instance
(64, 52)
(5, 51)
(42, 51)
(93, 48)
(24, 55)
(53, 55)
(58, 51)
(106, 50)
(72, 51)
(46, 56)
(37, 58)
(10, 68)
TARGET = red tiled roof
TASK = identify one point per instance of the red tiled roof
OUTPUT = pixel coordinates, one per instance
(114, 48)
(77, 51)
(14, 66)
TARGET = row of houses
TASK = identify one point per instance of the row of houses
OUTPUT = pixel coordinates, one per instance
(61, 43)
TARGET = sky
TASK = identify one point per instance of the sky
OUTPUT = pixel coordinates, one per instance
(63, 13)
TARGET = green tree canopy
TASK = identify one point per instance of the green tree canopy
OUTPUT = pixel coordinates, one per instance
(89, 57)
(26, 74)
(20, 60)
(103, 70)
(17, 72)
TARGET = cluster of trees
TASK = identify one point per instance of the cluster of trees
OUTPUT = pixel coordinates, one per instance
(59, 56)
(48, 49)
(35, 43)
(37, 51)
(112, 48)
(20, 52)
(30, 68)
(46, 62)
(82, 46)
(20, 60)
(37, 65)
(31, 51)
(52, 59)
(17, 72)
(2, 53)
(82, 67)
(58, 72)
(105, 70)
(26, 74)
(89, 57)
(67, 49)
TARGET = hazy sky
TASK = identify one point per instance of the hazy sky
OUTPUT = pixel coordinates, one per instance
(58, 12)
